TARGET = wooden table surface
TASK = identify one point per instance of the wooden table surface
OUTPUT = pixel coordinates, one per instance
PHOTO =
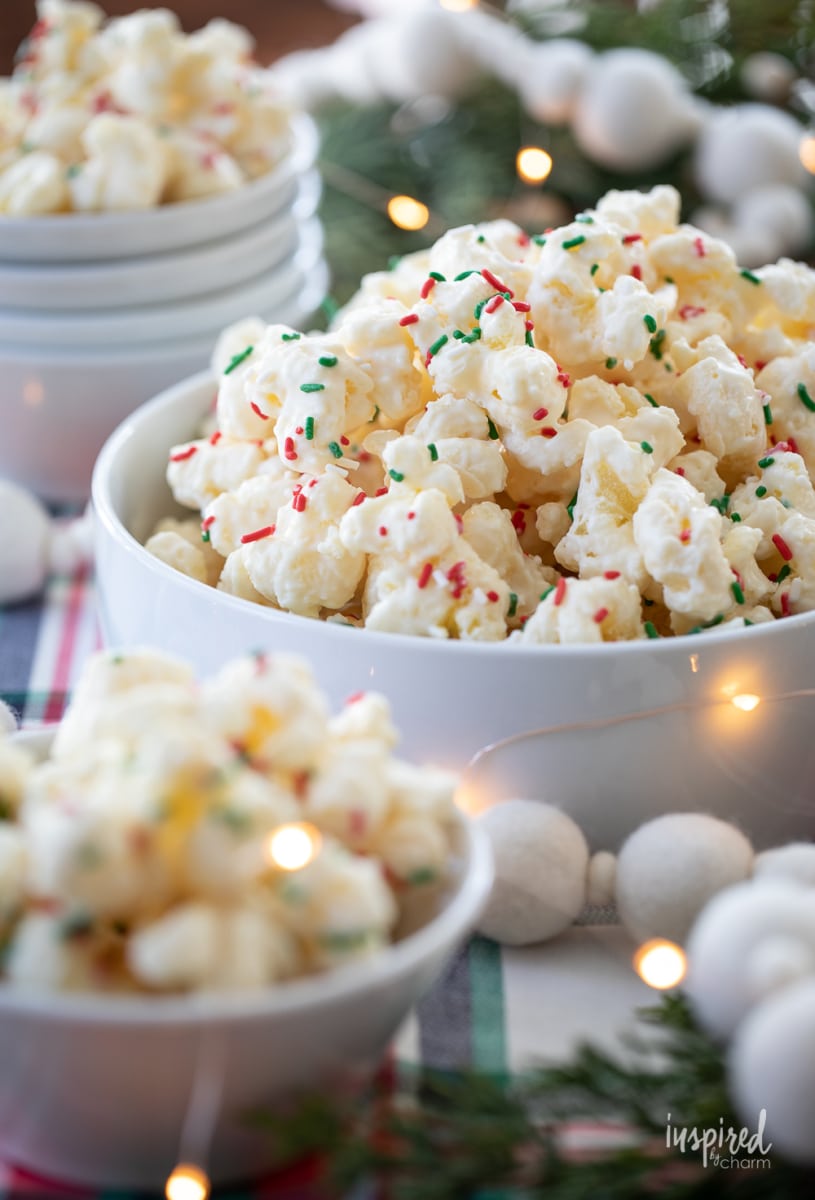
(278, 25)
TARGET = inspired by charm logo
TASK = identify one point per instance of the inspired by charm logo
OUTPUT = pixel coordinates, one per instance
(729, 1149)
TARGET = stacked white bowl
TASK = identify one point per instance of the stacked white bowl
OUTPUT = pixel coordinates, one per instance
(98, 312)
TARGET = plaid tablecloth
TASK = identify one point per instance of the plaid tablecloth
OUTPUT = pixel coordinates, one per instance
(497, 1010)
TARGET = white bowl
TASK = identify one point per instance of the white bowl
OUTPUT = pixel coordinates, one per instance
(451, 698)
(80, 237)
(102, 1090)
(57, 408)
(192, 318)
(156, 279)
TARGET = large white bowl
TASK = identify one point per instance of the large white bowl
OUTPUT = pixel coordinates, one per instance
(195, 317)
(451, 698)
(160, 278)
(57, 408)
(80, 237)
(100, 1090)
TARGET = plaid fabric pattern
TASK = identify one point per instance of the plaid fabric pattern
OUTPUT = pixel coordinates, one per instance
(494, 1010)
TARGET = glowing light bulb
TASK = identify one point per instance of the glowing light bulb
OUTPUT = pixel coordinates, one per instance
(660, 964)
(407, 213)
(806, 153)
(187, 1182)
(292, 847)
(746, 701)
(533, 164)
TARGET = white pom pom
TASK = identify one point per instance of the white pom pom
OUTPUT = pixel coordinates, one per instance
(767, 76)
(753, 245)
(745, 147)
(8, 721)
(794, 863)
(552, 79)
(541, 861)
(726, 973)
(71, 545)
(24, 541)
(771, 1069)
(602, 879)
(777, 962)
(669, 868)
(419, 54)
(634, 112)
(783, 212)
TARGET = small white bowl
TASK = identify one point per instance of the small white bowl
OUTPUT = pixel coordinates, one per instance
(81, 237)
(451, 698)
(155, 323)
(114, 1091)
(158, 279)
(57, 408)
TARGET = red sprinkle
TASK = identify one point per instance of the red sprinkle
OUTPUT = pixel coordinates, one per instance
(298, 430)
(687, 311)
(424, 577)
(427, 288)
(611, 575)
(529, 326)
(563, 378)
(600, 615)
(540, 413)
(411, 516)
(518, 522)
(492, 597)
(459, 522)
(493, 281)
(358, 499)
(456, 577)
(684, 535)
(289, 450)
(207, 523)
(263, 416)
(632, 237)
(183, 455)
(760, 364)
(699, 247)
(383, 491)
(548, 431)
(344, 441)
(383, 530)
(636, 271)
(355, 698)
(785, 604)
(781, 546)
(299, 502)
(411, 318)
(523, 238)
(215, 437)
(521, 306)
(258, 534)
(496, 302)
(742, 360)
(560, 592)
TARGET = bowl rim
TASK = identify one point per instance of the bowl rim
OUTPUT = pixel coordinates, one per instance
(204, 382)
(311, 993)
(305, 140)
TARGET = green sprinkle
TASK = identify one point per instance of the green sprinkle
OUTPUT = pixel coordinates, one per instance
(493, 432)
(465, 275)
(513, 604)
(434, 454)
(655, 345)
(539, 240)
(290, 337)
(458, 334)
(312, 387)
(650, 323)
(394, 261)
(601, 290)
(786, 504)
(584, 219)
(396, 475)
(595, 267)
(716, 621)
(738, 594)
(27, 147)
(376, 414)
(784, 572)
(205, 536)
(329, 308)
(473, 336)
(721, 503)
(651, 629)
(423, 875)
(765, 462)
(309, 429)
(344, 941)
(747, 621)
(768, 414)
(735, 517)
(73, 170)
(437, 275)
(574, 242)
(336, 449)
(651, 400)
(648, 603)
(750, 277)
(805, 398)
(528, 338)
(548, 592)
(761, 491)
(611, 363)
(646, 447)
(668, 278)
(481, 239)
(237, 359)
(327, 360)
(668, 366)
(437, 345)
(570, 506)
